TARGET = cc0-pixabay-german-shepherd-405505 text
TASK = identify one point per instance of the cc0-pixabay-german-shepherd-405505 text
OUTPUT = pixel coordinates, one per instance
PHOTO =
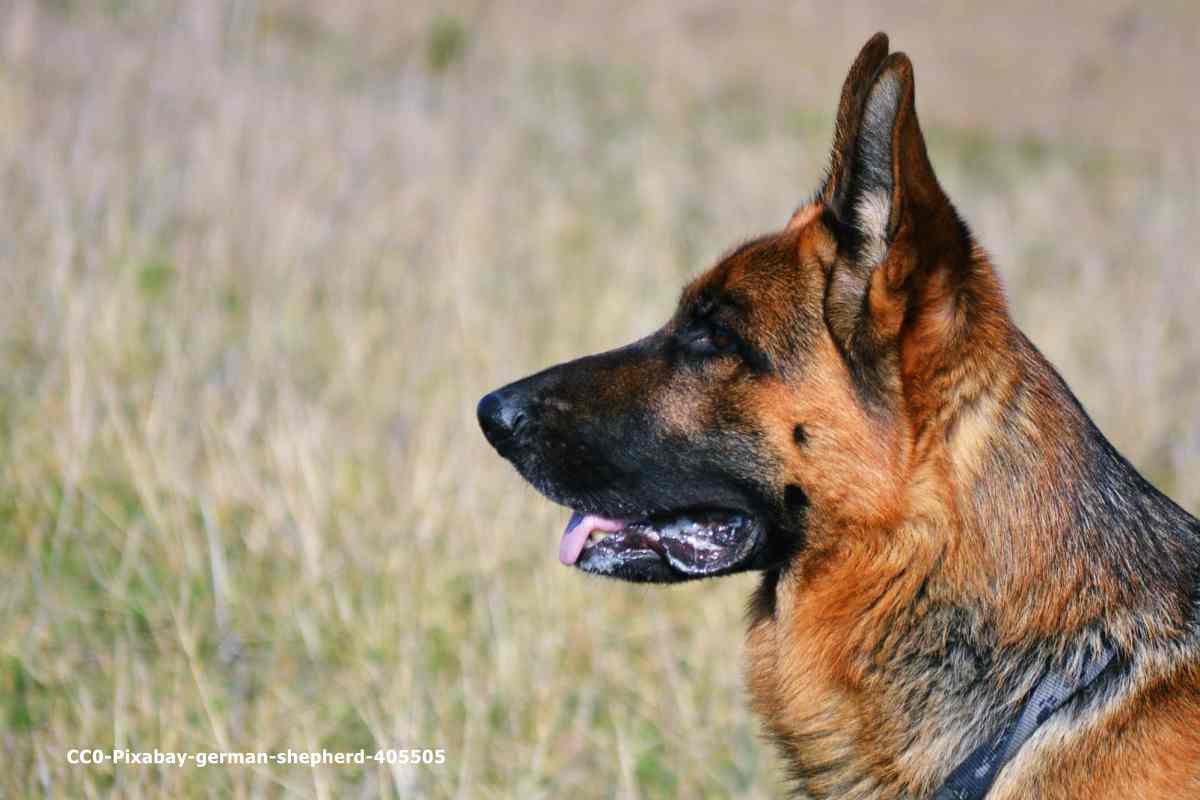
(966, 591)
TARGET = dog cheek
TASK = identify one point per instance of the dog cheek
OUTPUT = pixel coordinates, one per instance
(684, 408)
(844, 463)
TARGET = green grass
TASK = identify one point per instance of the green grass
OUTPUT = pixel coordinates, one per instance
(257, 270)
(447, 43)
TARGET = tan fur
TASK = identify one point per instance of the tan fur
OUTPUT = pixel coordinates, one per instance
(938, 522)
(889, 503)
(897, 525)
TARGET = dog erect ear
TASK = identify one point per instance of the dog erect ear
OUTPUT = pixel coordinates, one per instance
(850, 109)
(902, 247)
(891, 181)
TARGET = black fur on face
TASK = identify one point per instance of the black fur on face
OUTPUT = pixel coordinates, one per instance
(653, 428)
(688, 421)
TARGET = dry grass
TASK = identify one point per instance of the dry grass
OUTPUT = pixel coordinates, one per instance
(259, 259)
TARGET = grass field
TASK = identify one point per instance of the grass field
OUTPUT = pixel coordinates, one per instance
(258, 260)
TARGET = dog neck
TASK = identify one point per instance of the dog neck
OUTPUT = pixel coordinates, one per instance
(883, 654)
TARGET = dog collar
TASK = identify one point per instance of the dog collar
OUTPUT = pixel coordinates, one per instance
(973, 778)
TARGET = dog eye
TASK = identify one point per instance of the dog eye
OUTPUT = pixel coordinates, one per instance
(711, 342)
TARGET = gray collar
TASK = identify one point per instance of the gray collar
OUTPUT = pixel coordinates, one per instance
(973, 778)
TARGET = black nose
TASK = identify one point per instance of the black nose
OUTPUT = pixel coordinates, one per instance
(500, 416)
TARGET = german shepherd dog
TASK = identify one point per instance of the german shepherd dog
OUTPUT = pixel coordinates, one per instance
(966, 590)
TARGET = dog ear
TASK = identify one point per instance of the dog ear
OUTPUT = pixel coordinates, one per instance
(850, 110)
(892, 180)
(902, 247)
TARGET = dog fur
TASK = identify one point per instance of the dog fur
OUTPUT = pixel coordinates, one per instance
(942, 519)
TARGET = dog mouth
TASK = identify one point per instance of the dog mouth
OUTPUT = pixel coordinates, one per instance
(667, 547)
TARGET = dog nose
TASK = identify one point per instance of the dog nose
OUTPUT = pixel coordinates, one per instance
(500, 417)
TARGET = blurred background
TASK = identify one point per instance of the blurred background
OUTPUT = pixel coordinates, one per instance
(258, 260)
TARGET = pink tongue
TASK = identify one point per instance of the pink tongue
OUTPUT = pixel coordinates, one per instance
(579, 528)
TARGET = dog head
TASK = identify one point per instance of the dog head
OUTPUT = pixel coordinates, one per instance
(776, 409)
